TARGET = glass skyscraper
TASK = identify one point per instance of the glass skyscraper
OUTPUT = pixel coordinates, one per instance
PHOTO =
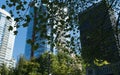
(6, 39)
(30, 34)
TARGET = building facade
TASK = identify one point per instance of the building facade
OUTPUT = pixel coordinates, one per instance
(6, 38)
(42, 42)
(99, 39)
(97, 32)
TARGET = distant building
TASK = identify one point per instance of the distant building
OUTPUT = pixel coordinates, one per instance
(97, 32)
(7, 39)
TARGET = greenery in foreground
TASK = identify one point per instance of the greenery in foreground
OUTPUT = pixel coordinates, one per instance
(59, 64)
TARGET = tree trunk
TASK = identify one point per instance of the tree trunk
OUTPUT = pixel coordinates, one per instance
(33, 34)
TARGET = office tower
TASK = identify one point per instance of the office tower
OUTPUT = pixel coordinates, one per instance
(6, 39)
(97, 32)
(42, 46)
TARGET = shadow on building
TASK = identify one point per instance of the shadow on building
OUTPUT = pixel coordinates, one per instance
(98, 39)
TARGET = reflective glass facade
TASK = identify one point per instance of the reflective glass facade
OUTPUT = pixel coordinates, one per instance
(42, 47)
(6, 38)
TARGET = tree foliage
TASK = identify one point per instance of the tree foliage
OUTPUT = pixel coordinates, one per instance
(60, 64)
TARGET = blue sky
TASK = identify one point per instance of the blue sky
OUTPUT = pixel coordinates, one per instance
(20, 40)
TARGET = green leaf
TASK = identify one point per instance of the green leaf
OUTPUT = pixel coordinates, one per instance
(23, 9)
(25, 25)
(8, 17)
(25, 2)
(15, 32)
(29, 41)
(45, 1)
(10, 28)
(3, 7)
(28, 18)
(10, 5)
(12, 0)
(17, 26)
(18, 12)
(18, 7)
(16, 19)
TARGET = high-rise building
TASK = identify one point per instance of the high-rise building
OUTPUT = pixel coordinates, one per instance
(6, 39)
(97, 32)
(42, 46)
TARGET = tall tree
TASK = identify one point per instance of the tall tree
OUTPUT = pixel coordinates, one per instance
(4, 70)
(59, 64)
